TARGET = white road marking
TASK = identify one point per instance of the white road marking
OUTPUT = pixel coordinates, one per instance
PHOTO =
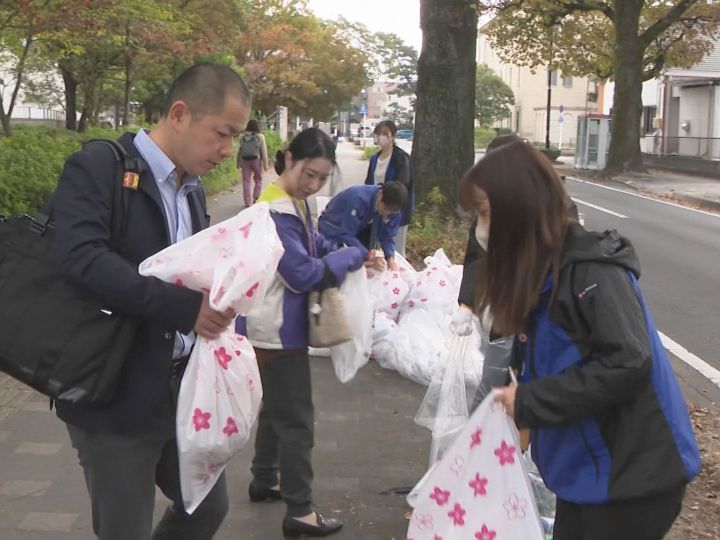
(705, 369)
(643, 196)
(596, 207)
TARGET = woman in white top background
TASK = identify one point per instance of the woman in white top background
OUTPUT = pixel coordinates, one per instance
(392, 164)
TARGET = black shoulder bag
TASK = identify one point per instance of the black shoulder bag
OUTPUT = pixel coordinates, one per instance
(53, 336)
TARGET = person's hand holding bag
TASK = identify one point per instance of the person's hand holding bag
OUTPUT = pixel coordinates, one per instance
(462, 321)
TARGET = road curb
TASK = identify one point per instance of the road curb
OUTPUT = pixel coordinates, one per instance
(704, 203)
(707, 204)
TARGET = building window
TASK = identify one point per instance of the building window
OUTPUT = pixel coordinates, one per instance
(648, 119)
(567, 81)
(553, 77)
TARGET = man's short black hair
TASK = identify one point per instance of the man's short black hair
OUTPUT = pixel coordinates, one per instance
(205, 87)
(394, 194)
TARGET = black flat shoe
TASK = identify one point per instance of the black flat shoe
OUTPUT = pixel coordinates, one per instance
(258, 494)
(292, 528)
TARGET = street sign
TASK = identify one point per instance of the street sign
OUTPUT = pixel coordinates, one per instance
(362, 109)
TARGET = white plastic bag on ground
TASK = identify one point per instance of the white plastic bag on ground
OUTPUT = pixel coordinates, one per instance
(388, 291)
(350, 356)
(220, 393)
(479, 489)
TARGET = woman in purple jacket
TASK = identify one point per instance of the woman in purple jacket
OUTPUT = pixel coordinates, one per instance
(279, 333)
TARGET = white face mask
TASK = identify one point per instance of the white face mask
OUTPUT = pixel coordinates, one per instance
(482, 233)
(382, 140)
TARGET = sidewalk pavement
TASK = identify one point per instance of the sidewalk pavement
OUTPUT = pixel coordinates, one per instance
(698, 191)
(366, 443)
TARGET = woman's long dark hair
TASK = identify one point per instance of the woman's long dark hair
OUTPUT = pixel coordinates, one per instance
(310, 143)
(528, 222)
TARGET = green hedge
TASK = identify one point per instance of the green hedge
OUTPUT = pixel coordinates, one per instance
(483, 136)
(273, 143)
(369, 151)
(32, 158)
(551, 153)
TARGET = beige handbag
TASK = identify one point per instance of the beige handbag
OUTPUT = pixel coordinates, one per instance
(327, 320)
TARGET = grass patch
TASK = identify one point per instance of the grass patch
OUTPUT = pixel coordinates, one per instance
(432, 229)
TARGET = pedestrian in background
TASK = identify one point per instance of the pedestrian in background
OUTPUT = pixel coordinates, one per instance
(252, 160)
(279, 333)
(128, 446)
(610, 431)
(392, 164)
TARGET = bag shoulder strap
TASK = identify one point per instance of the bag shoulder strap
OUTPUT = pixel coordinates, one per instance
(124, 164)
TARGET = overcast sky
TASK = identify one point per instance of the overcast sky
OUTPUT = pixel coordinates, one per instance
(401, 17)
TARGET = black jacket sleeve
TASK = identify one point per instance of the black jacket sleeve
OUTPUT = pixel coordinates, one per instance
(473, 256)
(402, 166)
(82, 213)
(608, 324)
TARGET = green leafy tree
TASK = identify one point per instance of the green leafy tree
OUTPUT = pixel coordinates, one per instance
(629, 41)
(493, 98)
(294, 59)
(402, 116)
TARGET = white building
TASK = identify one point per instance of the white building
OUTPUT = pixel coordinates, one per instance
(681, 110)
(576, 95)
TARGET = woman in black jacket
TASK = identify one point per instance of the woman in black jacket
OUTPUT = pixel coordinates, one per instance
(610, 431)
(392, 164)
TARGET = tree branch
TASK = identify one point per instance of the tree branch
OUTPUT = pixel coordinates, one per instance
(654, 31)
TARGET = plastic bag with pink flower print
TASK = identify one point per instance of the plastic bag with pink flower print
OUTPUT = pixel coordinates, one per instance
(388, 291)
(479, 488)
(220, 393)
(220, 396)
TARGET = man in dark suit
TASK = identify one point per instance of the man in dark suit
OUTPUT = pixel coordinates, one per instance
(129, 446)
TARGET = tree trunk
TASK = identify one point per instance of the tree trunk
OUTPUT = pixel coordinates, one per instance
(445, 97)
(70, 98)
(4, 120)
(627, 102)
(128, 76)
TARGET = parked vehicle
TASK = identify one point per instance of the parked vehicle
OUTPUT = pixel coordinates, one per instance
(406, 134)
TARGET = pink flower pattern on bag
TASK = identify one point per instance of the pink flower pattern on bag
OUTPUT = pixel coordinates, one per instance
(457, 514)
(252, 290)
(485, 534)
(423, 521)
(505, 454)
(440, 496)
(245, 229)
(230, 427)
(515, 507)
(222, 357)
(201, 420)
(219, 234)
(478, 484)
(476, 438)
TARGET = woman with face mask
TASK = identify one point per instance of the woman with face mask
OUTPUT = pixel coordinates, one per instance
(495, 348)
(610, 432)
(392, 164)
(282, 466)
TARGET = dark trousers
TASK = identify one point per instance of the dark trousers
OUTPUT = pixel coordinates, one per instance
(649, 518)
(285, 432)
(121, 472)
